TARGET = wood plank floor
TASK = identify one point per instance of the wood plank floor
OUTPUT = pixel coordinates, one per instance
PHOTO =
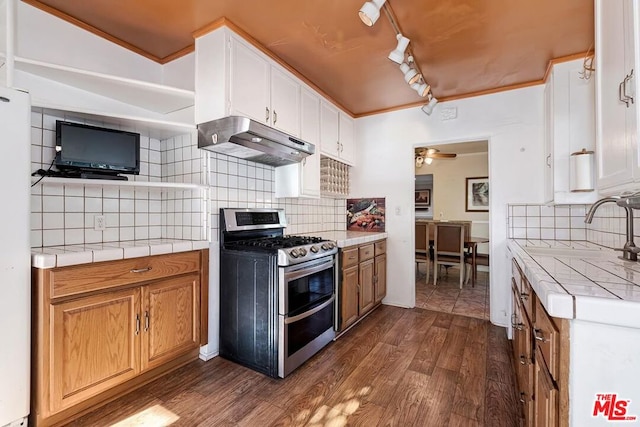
(398, 367)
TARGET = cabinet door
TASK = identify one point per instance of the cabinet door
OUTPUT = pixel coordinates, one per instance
(249, 83)
(367, 291)
(310, 132)
(94, 345)
(548, 139)
(546, 396)
(170, 319)
(329, 139)
(285, 103)
(347, 140)
(348, 297)
(381, 277)
(613, 146)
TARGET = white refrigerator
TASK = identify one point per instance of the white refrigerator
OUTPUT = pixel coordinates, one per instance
(15, 263)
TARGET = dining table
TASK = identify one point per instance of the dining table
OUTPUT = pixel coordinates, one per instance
(470, 243)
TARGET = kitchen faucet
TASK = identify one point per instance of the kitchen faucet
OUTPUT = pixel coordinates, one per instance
(630, 250)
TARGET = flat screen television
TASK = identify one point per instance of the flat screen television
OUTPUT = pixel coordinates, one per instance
(85, 151)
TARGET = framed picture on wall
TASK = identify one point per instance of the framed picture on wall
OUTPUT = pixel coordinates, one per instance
(477, 194)
(423, 198)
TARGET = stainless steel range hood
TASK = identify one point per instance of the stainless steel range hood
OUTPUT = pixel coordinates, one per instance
(250, 140)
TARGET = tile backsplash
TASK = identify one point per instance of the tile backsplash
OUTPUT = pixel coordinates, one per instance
(566, 222)
(64, 214)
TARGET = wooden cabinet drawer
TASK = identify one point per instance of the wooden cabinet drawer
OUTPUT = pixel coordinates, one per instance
(381, 247)
(349, 257)
(526, 297)
(546, 337)
(66, 281)
(366, 252)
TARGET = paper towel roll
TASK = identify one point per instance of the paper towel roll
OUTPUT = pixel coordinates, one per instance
(581, 166)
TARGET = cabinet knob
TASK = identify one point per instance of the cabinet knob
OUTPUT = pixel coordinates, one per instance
(146, 321)
(137, 324)
(141, 270)
(538, 335)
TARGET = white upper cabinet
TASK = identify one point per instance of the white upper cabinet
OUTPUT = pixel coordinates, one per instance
(285, 103)
(249, 83)
(569, 128)
(303, 179)
(337, 134)
(261, 91)
(616, 112)
(347, 139)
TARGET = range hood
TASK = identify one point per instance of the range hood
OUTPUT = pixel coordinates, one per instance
(250, 140)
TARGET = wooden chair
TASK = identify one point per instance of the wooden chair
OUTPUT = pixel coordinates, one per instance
(448, 248)
(422, 248)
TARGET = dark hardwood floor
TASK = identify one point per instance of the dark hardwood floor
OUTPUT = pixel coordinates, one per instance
(398, 367)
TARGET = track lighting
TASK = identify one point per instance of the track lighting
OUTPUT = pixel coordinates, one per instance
(370, 11)
(422, 88)
(410, 74)
(429, 106)
(397, 55)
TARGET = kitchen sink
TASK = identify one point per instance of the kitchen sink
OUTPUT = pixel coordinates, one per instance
(565, 252)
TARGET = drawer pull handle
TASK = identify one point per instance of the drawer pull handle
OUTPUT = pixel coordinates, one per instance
(146, 321)
(522, 396)
(140, 270)
(137, 324)
(523, 359)
(520, 326)
(538, 335)
(524, 296)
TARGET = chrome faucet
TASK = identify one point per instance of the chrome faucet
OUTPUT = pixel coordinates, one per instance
(630, 250)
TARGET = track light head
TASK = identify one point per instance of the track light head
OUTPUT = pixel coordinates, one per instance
(422, 88)
(410, 74)
(397, 55)
(370, 11)
(429, 106)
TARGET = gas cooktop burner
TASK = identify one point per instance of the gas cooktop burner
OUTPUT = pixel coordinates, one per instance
(282, 242)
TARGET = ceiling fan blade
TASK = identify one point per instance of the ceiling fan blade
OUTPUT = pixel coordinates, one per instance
(442, 155)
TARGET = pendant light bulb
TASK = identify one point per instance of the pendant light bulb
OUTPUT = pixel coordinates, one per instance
(410, 74)
(428, 160)
(397, 55)
(370, 12)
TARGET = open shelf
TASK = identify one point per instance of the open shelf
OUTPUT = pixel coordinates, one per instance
(117, 183)
(150, 96)
(153, 128)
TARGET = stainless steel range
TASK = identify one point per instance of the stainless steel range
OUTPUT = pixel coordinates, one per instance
(277, 292)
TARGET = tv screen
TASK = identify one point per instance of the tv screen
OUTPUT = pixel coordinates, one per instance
(83, 148)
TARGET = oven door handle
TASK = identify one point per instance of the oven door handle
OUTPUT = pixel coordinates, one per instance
(306, 271)
(311, 312)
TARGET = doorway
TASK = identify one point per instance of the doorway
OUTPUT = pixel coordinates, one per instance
(443, 179)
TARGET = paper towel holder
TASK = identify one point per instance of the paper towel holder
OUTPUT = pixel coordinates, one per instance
(581, 164)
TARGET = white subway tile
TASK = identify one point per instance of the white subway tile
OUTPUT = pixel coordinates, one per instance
(74, 220)
(52, 204)
(52, 237)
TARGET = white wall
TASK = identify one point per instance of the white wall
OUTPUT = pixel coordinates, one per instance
(511, 121)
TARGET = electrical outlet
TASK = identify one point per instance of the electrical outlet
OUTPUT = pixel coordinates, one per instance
(99, 223)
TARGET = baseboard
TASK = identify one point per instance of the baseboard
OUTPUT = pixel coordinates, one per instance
(206, 356)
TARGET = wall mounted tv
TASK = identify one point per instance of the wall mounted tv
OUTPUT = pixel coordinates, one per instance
(93, 152)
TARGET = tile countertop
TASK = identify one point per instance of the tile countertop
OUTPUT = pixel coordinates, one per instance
(598, 287)
(62, 256)
(350, 238)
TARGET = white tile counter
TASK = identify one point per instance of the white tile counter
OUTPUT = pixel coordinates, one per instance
(597, 287)
(350, 238)
(61, 256)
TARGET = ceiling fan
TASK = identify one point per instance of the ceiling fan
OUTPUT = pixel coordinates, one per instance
(426, 155)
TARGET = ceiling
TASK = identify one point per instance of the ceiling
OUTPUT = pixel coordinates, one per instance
(464, 47)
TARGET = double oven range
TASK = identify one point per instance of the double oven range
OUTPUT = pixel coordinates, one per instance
(277, 292)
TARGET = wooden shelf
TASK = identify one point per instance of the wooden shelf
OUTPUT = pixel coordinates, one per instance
(150, 96)
(117, 183)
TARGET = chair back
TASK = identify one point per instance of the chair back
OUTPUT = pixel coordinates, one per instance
(449, 239)
(421, 238)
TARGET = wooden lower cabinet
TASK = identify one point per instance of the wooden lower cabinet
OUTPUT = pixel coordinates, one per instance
(541, 353)
(93, 346)
(362, 281)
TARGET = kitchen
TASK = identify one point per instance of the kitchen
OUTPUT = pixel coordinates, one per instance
(501, 118)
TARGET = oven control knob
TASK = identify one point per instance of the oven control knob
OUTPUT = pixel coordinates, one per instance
(302, 251)
(331, 245)
(294, 253)
(314, 249)
(325, 246)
